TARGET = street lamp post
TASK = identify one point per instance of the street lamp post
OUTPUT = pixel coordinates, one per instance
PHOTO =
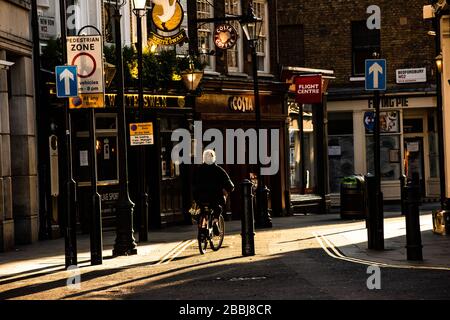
(139, 9)
(252, 26)
(125, 243)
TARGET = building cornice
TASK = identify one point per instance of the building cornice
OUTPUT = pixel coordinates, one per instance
(16, 44)
(26, 4)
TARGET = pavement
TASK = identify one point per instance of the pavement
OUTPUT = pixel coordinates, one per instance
(301, 257)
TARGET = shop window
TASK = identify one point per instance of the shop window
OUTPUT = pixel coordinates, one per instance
(340, 148)
(413, 125)
(390, 155)
(234, 55)
(364, 43)
(169, 168)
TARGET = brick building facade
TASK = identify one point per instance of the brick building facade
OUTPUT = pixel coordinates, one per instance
(334, 35)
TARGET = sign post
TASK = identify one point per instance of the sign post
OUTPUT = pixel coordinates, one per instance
(86, 53)
(376, 82)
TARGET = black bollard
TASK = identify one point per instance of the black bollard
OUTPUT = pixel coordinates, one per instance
(248, 220)
(374, 222)
(402, 194)
(413, 235)
(263, 218)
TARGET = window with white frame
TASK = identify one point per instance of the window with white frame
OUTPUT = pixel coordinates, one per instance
(205, 40)
(261, 10)
(108, 22)
(234, 55)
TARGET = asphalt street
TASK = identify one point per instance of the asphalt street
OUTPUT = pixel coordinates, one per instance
(289, 264)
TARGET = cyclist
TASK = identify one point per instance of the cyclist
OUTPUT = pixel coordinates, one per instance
(211, 186)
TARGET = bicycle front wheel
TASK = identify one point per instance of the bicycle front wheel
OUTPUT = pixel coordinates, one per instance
(218, 234)
(202, 241)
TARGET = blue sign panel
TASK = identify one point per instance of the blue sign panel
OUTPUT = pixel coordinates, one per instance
(369, 121)
(375, 74)
(66, 81)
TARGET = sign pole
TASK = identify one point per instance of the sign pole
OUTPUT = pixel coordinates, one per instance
(70, 227)
(375, 74)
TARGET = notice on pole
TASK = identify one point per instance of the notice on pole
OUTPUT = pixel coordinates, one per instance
(84, 162)
(141, 134)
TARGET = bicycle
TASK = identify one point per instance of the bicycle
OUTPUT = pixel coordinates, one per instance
(206, 230)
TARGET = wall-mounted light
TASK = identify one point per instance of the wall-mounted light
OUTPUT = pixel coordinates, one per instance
(192, 77)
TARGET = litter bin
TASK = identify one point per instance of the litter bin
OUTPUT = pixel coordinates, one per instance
(353, 197)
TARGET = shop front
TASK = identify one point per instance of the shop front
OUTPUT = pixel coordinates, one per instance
(408, 142)
(165, 180)
(230, 111)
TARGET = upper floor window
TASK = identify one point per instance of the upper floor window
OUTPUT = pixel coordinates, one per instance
(364, 43)
(261, 10)
(108, 22)
(205, 30)
(234, 55)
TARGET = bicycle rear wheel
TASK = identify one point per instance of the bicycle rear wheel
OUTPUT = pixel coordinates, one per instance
(202, 241)
(216, 240)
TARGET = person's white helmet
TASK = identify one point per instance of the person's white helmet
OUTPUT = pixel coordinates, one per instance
(209, 157)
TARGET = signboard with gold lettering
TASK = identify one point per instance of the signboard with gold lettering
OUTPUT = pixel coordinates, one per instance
(150, 101)
(241, 104)
(141, 134)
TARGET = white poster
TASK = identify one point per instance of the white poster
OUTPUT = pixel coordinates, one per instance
(84, 162)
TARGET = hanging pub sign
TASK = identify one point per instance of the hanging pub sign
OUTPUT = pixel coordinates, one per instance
(167, 16)
(308, 89)
(225, 36)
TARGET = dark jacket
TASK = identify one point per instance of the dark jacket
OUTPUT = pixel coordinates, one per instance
(209, 182)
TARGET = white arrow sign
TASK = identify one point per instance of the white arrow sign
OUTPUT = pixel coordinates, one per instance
(67, 76)
(376, 69)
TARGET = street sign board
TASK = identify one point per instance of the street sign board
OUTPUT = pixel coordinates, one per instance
(375, 74)
(416, 75)
(369, 120)
(308, 89)
(141, 134)
(66, 81)
(86, 52)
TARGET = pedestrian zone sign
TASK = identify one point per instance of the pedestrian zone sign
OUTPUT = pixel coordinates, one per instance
(141, 134)
(86, 52)
(375, 74)
(66, 81)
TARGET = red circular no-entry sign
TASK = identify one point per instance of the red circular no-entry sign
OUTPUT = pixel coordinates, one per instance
(94, 64)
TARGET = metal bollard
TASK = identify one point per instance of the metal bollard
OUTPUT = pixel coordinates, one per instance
(374, 222)
(248, 220)
(402, 194)
(263, 218)
(413, 235)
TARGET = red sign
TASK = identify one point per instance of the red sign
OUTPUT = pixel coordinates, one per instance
(308, 89)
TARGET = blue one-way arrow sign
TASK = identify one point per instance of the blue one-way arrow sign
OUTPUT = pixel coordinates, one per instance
(375, 74)
(66, 81)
